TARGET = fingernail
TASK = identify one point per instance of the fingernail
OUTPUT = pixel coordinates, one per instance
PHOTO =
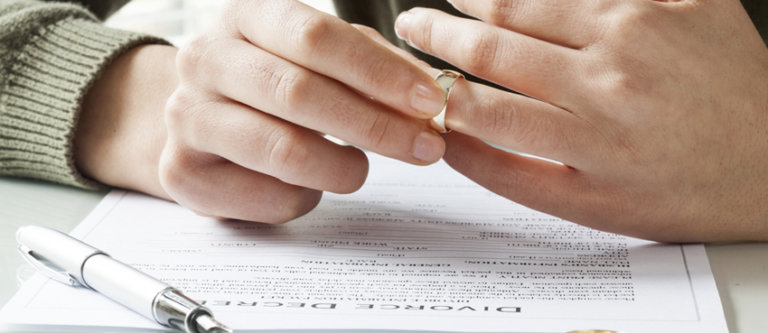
(428, 147)
(427, 99)
(402, 24)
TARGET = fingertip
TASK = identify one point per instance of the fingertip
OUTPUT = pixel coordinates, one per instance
(427, 99)
(456, 145)
(353, 176)
(428, 147)
(304, 201)
(403, 25)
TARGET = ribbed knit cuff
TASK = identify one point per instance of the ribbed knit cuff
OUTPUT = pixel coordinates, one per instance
(45, 91)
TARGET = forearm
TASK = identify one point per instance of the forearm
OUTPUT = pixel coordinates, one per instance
(50, 55)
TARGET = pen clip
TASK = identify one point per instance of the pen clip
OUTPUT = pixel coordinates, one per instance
(50, 270)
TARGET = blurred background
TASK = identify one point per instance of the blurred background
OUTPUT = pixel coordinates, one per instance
(178, 20)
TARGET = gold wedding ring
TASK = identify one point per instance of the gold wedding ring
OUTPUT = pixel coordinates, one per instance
(446, 80)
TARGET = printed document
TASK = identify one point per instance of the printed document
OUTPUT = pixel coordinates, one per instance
(416, 249)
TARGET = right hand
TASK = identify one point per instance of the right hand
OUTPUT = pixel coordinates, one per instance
(255, 95)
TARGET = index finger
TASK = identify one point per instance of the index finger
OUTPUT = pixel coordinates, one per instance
(330, 46)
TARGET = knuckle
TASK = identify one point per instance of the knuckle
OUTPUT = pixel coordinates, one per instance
(617, 82)
(189, 119)
(423, 35)
(232, 18)
(190, 57)
(623, 80)
(500, 12)
(479, 52)
(289, 86)
(284, 149)
(536, 133)
(176, 108)
(497, 115)
(628, 22)
(377, 72)
(309, 33)
(229, 15)
(634, 16)
(506, 120)
(174, 171)
(376, 132)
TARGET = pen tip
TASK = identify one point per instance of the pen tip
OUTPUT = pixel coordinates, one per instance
(206, 324)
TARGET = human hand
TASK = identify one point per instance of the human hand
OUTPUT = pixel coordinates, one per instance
(245, 122)
(658, 109)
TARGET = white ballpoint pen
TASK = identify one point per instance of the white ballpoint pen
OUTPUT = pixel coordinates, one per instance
(74, 263)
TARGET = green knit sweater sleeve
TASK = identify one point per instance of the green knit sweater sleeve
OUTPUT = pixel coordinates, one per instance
(50, 54)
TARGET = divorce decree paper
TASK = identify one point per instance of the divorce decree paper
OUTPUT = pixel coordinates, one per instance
(417, 248)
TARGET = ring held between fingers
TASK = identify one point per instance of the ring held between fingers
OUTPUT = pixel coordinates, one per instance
(260, 80)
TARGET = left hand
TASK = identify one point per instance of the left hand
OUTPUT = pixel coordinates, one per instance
(658, 110)
(231, 124)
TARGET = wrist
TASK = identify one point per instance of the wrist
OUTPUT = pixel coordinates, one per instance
(121, 132)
